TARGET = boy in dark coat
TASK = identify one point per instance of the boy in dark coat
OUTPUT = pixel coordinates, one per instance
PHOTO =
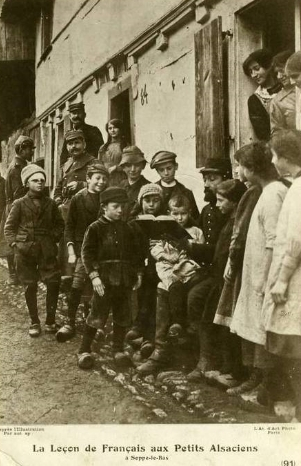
(110, 254)
(33, 228)
(84, 210)
(165, 164)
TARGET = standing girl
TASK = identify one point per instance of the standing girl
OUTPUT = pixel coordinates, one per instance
(110, 153)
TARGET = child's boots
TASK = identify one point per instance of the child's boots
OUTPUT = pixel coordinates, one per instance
(121, 357)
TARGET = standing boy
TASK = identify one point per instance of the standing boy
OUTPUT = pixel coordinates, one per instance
(165, 164)
(110, 254)
(133, 163)
(84, 210)
(33, 228)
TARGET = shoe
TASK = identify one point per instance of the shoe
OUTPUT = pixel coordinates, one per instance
(199, 372)
(133, 334)
(150, 367)
(122, 359)
(51, 328)
(85, 360)
(34, 330)
(212, 375)
(227, 380)
(175, 331)
(146, 349)
(65, 333)
(246, 386)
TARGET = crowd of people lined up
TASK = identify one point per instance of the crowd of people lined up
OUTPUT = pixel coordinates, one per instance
(226, 278)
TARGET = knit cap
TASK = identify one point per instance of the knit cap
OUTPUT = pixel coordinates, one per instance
(29, 170)
(150, 189)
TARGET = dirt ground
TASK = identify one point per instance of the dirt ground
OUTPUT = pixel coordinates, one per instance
(41, 383)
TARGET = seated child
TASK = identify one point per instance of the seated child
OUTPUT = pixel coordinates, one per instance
(175, 269)
(150, 203)
(33, 228)
(165, 164)
(112, 259)
(84, 209)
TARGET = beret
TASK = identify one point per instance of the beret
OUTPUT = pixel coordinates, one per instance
(30, 170)
(113, 194)
(162, 157)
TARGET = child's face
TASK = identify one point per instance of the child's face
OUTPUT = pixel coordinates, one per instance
(36, 183)
(113, 210)
(181, 215)
(224, 205)
(113, 131)
(97, 182)
(259, 74)
(167, 171)
(151, 204)
(133, 170)
(240, 173)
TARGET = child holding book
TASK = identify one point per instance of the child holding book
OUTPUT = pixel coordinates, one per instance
(32, 229)
(110, 254)
(84, 210)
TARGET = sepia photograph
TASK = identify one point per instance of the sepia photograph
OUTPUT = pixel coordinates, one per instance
(150, 232)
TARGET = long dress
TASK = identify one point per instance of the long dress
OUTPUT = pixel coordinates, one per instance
(247, 318)
(110, 155)
(283, 321)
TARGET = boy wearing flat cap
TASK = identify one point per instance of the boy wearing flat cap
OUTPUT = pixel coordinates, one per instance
(84, 210)
(92, 134)
(33, 228)
(132, 162)
(14, 189)
(110, 254)
(165, 164)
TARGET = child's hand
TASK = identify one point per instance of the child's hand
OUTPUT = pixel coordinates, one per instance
(72, 185)
(71, 259)
(98, 286)
(138, 283)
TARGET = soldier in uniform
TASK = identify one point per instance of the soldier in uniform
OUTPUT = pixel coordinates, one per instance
(92, 134)
(72, 180)
(14, 189)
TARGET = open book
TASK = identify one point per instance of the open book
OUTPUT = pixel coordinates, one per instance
(163, 226)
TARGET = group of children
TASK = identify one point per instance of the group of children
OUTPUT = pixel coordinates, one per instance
(223, 279)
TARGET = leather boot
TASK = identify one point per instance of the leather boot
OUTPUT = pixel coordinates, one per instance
(161, 354)
(121, 357)
(32, 303)
(67, 332)
(206, 361)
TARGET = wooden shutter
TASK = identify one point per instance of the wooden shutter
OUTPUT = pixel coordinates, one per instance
(209, 98)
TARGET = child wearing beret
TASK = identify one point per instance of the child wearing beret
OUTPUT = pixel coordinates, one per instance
(110, 254)
(32, 229)
(84, 210)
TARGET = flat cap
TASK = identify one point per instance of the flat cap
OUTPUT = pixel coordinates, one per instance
(24, 141)
(162, 157)
(29, 170)
(113, 194)
(132, 154)
(77, 106)
(97, 167)
(74, 134)
(219, 166)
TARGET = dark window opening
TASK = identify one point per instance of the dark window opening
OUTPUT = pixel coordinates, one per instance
(46, 25)
(120, 108)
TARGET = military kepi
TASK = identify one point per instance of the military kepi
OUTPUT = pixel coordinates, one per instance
(113, 194)
(162, 156)
(24, 141)
(74, 134)
(219, 166)
(77, 106)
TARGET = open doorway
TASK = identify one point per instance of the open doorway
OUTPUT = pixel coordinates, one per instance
(121, 106)
(262, 24)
